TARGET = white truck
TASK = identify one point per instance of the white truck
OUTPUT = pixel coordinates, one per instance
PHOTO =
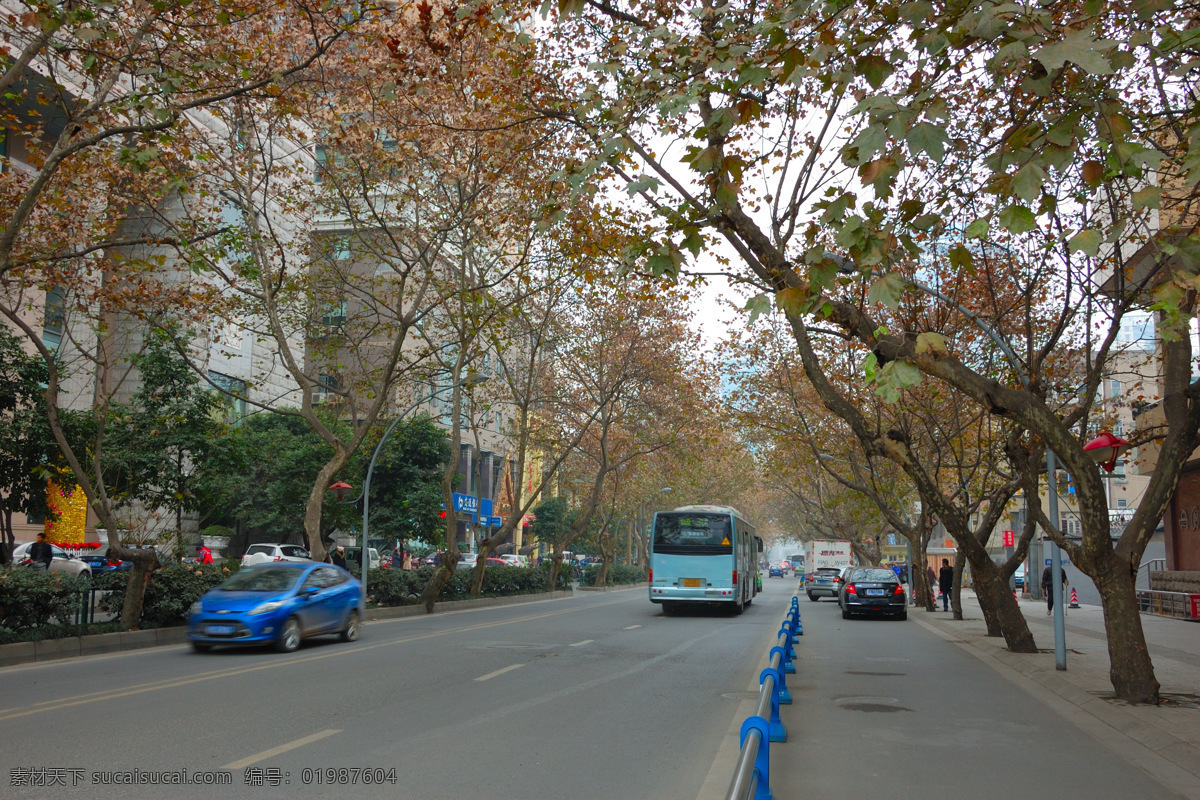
(824, 560)
(831, 553)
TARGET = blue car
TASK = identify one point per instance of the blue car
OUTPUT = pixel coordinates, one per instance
(279, 604)
(776, 571)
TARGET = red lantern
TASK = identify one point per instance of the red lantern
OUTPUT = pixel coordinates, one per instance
(341, 487)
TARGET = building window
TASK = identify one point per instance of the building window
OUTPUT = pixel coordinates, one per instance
(335, 314)
(53, 318)
(1122, 502)
(327, 386)
(233, 393)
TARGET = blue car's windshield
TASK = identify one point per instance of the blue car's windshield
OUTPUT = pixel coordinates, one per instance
(263, 579)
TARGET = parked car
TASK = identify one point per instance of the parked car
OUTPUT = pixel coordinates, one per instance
(279, 603)
(822, 583)
(872, 590)
(514, 560)
(776, 571)
(468, 560)
(268, 553)
(101, 564)
(61, 560)
(354, 556)
(1019, 576)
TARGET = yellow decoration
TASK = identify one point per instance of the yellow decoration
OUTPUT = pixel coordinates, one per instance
(71, 507)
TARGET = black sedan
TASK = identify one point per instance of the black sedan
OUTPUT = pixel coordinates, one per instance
(872, 590)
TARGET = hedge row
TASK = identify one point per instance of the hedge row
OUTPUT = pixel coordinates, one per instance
(40, 605)
(397, 587)
(617, 574)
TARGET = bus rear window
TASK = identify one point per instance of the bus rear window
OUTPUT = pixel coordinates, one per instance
(693, 534)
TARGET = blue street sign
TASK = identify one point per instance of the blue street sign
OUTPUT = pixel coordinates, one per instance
(491, 522)
(485, 506)
(466, 503)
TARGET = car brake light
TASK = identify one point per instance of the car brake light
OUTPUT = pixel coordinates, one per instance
(850, 589)
(899, 589)
(278, 558)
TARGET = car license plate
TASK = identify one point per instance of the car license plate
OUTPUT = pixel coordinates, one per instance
(220, 630)
(875, 592)
(692, 583)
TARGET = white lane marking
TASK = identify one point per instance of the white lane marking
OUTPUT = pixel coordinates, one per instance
(581, 644)
(283, 748)
(631, 627)
(491, 675)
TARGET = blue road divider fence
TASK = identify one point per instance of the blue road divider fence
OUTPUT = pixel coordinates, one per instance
(752, 775)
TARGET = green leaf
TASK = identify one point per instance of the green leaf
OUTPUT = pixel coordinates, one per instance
(870, 363)
(1017, 219)
(642, 184)
(961, 258)
(1086, 241)
(925, 137)
(887, 290)
(1027, 182)
(904, 374)
(977, 229)
(1079, 48)
(757, 306)
(1147, 197)
(875, 69)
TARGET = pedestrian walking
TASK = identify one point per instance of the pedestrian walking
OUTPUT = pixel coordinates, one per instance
(338, 556)
(946, 583)
(1048, 588)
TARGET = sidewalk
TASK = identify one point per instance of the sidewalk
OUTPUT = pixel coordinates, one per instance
(1164, 741)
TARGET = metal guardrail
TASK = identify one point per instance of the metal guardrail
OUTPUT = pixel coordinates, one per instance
(752, 775)
(1180, 605)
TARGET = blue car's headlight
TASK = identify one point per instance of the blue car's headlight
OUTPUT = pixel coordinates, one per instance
(196, 608)
(266, 608)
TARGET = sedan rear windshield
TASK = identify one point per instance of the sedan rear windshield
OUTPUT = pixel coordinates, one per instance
(829, 571)
(262, 579)
(255, 549)
(876, 575)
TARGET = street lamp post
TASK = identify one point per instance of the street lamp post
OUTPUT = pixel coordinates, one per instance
(366, 492)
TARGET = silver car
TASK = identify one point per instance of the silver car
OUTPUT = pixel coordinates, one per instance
(823, 582)
(62, 561)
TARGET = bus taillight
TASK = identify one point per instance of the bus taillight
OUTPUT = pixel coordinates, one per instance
(735, 583)
(650, 575)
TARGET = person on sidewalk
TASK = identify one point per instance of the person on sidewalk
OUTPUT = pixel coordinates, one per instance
(946, 583)
(203, 554)
(1048, 588)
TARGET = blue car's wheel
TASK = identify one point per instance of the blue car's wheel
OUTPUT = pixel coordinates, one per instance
(201, 647)
(350, 632)
(289, 637)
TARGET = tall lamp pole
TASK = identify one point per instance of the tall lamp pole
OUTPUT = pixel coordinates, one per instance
(366, 492)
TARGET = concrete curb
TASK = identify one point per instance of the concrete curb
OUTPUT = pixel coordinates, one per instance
(95, 644)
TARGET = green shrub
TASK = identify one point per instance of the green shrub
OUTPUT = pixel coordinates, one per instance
(397, 587)
(217, 530)
(170, 593)
(30, 598)
(617, 574)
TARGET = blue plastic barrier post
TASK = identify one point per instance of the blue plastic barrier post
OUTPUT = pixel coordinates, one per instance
(791, 651)
(778, 732)
(762, 764)
(785, 696)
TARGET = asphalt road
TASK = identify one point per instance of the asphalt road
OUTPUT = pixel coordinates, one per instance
(893, 709)
(598, 696)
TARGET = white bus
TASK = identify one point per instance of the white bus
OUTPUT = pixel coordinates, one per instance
(703, 554)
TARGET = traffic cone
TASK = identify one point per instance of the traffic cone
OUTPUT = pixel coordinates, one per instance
(1074, 599)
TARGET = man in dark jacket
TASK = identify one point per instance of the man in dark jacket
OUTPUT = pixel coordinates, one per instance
(946, 583)
(40, 552)
(1048, 588)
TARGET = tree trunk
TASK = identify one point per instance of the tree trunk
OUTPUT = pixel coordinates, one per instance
(956, 589)
(605, 560)
(922, 593)
(7, 539)
(1002, 613)
(441, 576)
(556, 558)
(316, 499)
(1130, 667)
